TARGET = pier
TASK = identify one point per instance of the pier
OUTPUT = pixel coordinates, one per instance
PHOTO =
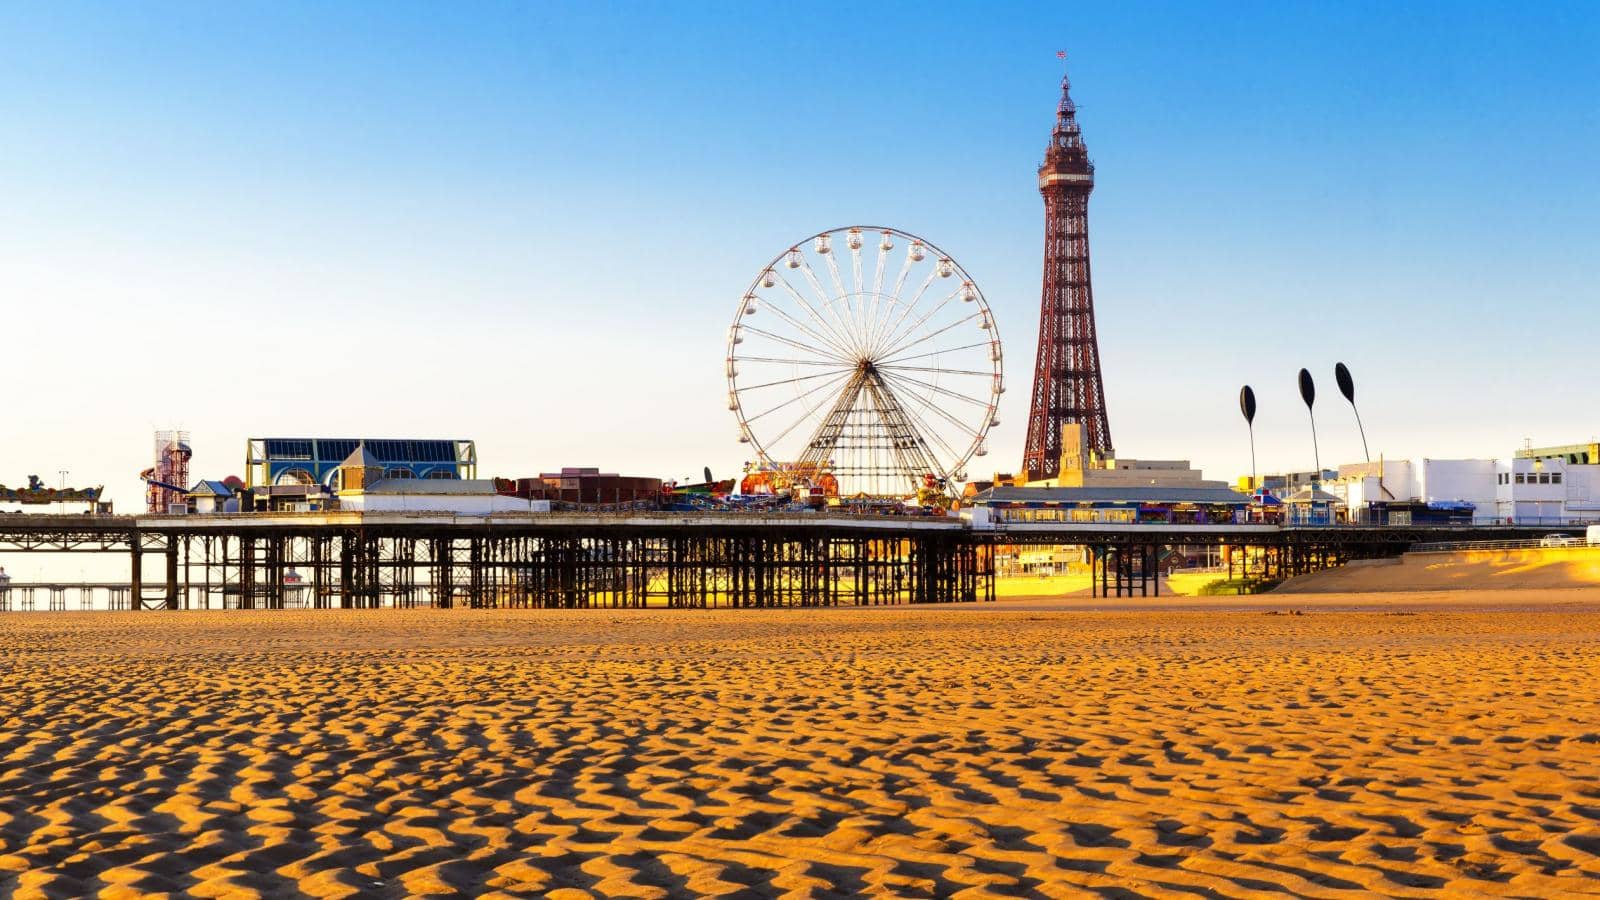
(354, 560)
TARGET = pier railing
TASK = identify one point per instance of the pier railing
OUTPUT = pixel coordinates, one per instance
(1575, 543)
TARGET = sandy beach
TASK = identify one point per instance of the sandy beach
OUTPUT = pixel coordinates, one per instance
(1418, 745)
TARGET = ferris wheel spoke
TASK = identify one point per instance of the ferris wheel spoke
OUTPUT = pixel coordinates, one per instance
(794, 362)
(878, 270)
(767, 384)
(933, 353)
(776, 310)
(834, 377)
(913, 386)
(930, 335)
(901, 335)
(822, 293)
(906, 308)
(937, 370)
(952, 394)
(845, 298)
(905, 270)
(793, 343)
(939, 410)
(855, 264)
(894, 409)
(933, 433)
(839, 340)
(875, 326)
(787, 431)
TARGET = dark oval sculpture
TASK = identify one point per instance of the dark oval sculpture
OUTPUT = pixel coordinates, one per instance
(1308, 389)
(1347, 385)
(1247, 404)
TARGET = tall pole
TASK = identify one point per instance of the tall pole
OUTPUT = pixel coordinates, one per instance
(1347, 386)
(1308, 393)
(1247, 406)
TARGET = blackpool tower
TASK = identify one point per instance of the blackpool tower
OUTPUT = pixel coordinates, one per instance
(1067, 387)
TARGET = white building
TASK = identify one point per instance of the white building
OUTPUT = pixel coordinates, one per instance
(1515, 490)
(362, 487)
(1546, 491)
(466, 497)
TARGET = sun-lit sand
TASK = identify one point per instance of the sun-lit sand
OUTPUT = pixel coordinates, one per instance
(1533, 569)
(1412, 745)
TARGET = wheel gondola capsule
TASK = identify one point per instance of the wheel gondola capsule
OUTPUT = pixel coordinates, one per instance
(887, 243)
(969, 292)
(917, 253)
(824, 244)
(794, 258)
(769, 278)
(946, 268)
(853, 238)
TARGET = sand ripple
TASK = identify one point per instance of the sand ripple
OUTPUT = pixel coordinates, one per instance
(991, 752)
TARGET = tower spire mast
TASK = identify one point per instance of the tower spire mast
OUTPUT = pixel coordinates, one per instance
(1067, 383)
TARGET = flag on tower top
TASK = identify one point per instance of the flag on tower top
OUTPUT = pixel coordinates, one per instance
(1061, 54)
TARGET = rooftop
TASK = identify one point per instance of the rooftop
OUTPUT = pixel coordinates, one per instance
(436, 486)
(1140, 494)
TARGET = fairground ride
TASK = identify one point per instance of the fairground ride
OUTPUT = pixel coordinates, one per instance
(868, 354)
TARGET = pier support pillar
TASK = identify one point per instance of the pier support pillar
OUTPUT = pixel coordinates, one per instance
(136, 574)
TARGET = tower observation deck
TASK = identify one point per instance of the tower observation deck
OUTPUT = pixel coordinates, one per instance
(1067, 386)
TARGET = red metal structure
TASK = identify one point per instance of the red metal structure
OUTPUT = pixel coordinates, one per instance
(164, 482)
(1067, 385)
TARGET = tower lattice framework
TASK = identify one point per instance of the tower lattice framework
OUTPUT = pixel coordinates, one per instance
(1067, 386)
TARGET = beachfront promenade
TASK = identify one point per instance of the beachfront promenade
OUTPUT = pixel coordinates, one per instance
(635, 559)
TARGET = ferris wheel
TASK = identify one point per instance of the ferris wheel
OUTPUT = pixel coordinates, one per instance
(868, 355)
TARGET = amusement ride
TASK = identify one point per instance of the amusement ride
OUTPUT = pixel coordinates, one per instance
(863, 363)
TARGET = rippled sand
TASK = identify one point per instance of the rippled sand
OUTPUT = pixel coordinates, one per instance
(1004, 750)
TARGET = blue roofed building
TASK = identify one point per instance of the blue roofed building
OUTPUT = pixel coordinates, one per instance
(315, 461)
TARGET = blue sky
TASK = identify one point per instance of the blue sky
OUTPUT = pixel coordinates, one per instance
(529, 224)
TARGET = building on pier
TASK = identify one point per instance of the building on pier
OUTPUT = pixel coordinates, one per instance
(585, 485)
(1082, 466)
(464, 497)
(1572, 454)
(315, 461)
(1533, 487)
(1107, 506)
(364, 484)
(211, 497)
